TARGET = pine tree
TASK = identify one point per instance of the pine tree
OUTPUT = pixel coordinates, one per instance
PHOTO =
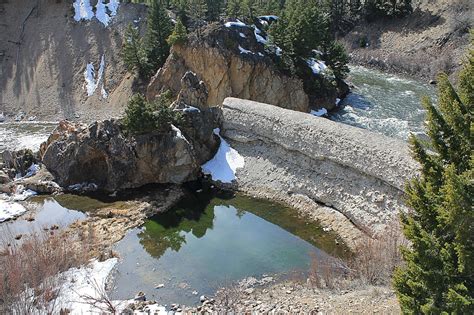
(159, 28)
(439, 272)
(234, 9)
(133, 52)
(214, 9)
(179, 34)
(197, 11)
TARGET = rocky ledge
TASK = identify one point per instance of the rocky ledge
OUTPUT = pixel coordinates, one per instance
(232, 59)
(339, 174)
(102, 156)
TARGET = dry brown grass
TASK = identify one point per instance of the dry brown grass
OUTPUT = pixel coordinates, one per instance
(373, 262)
(29, 267)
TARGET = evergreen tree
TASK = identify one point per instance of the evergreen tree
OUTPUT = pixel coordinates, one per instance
(179, 34)
(337, 59)
(133, 52)
(197, 11)
(214, 9)
(439, 272)
(234, 8)
(159, 28)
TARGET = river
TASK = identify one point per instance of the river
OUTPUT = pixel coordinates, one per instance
(385, 103)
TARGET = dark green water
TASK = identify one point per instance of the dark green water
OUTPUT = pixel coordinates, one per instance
(204, 244)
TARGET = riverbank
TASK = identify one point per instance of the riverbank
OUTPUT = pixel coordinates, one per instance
(433, 38)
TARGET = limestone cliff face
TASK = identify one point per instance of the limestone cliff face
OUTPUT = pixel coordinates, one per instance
(359, 173)
(231, 62)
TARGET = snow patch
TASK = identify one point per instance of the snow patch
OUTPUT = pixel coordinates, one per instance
(224, 164)
(32, 170)
(92, 80)
(242, 35)
(259, 37)
(113, 6)
(338, 100)
(238, 24)
(10, 210)
(81, 283)
(191, 109)
(179, 134)
(101, 13)
(83, 10)
(316, 65)
(244, 51)
(319, 112)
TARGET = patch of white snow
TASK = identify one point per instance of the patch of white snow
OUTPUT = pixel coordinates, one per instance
(82, 284)
(10, 210)
(316, 65)
(259, 37)
(244, 51)
(101, 13)
(113, 6)
(93, 80)
(319, 112)
(224, 164)
(238, 24)
(83, 10)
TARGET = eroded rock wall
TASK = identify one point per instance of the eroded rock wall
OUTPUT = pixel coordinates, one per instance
(218, 60)
(295, 156)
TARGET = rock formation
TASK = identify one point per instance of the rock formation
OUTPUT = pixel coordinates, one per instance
(231, 62)
(354, 171)
(101, 154)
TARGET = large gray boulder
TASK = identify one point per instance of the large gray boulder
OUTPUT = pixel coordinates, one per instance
(104, 155)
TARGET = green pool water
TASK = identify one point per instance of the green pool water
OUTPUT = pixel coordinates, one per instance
(207, 242)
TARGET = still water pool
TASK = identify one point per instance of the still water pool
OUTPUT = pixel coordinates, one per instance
(209, 242)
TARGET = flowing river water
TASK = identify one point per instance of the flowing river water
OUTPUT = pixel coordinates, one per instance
(209, 241)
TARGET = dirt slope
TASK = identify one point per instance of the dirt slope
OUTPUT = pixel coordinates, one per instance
(434, 38)
(43, 56)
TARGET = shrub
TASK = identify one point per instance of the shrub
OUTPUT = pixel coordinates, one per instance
(142, 116)
(179, 34)
(28, 282)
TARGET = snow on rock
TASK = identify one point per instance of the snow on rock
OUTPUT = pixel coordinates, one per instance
(242, 35)
(191, 109)
(259, 37)
(101, 13)
(89, 76)
(10, 210)
(268, 17)
(81, 284)
(23, 194)
(32, 170)
(316, 65)
(238, 24)
(319, 112)
(113, 6)
(83, 10)
(338, 100)
(93, 80)
(224, 164)
(244, 51)
(179, 134)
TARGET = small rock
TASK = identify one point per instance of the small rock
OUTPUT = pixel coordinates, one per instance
(159, 286)
(195, 292)
(202, 298)
(249, 291)
(19, 236)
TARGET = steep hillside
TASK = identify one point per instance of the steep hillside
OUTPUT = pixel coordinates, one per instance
(44, 53)
(433, 38)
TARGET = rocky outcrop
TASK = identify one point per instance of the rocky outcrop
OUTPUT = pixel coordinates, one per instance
(101, 154)
(229, 61)
(308, 161)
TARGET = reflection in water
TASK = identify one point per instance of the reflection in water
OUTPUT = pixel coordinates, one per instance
(207, 242)
(166, 230)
